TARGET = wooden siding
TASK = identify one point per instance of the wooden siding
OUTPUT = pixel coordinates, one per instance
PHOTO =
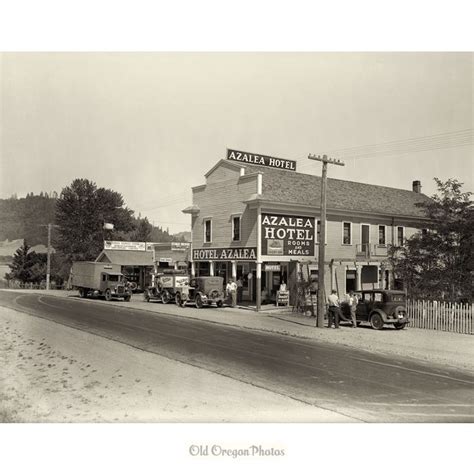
(219, 201)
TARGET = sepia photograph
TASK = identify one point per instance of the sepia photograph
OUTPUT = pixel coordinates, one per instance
(239, 246)
(236, 237)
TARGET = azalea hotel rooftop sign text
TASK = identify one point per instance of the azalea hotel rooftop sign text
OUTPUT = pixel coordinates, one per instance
(262, 160)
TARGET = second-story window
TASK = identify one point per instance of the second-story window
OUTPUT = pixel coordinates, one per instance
(346, 233)
(382, 236)
(400, 236)
(207, 230)
(236, 229)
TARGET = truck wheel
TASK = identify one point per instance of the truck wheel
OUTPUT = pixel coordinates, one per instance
(165, 297)
(127, 298)
(376, 321)
(199, 303)
(108, 295)
(399, 325)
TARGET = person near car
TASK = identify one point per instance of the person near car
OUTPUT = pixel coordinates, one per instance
(334, 312)
(231, 290)
(353, 300)
(240, 290)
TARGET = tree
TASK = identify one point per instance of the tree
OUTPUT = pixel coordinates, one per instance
(27, 266)
(81, 211)
(142, 232)
(438, 264)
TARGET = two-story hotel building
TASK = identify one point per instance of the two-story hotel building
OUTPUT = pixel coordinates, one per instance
(261, 224)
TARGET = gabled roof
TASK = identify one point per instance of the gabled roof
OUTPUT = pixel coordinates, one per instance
(130, 258)
(281, 186)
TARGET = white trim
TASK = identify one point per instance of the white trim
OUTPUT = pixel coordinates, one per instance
(361, 224)
(378, 234)
(232, 217)
(204, 220)
(259, 184)
(350, 232)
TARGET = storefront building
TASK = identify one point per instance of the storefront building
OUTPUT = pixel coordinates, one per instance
(257, 219)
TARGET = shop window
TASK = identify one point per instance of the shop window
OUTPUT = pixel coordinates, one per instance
(347, 233)
(382, 235)
(236, 221)
(400, 236)
(207, 230)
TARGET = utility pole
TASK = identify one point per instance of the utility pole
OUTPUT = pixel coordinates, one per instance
(48, 263)
(322, 235)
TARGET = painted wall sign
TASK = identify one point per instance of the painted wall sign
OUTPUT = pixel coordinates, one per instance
(262, 160)
(288, 235)
(236, 253)
(118, 245)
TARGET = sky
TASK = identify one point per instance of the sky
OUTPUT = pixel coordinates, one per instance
(150, 125)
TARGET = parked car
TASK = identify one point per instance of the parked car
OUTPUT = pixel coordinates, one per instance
(166, 286)
(202, 291)
(379, 307)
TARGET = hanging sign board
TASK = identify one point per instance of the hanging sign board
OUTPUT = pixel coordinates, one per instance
(291, 236)
(262, 160)
(272, 268)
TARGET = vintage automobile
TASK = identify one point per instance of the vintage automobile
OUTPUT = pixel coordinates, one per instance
(166, 286)
(202, 291)
(379, 307)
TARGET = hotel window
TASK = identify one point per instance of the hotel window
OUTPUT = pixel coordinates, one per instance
(382, 235)
(235, 228)
(207, 230)
(400, 236)
(347, 233)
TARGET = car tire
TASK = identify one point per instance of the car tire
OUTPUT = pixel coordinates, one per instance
(376, 321)
(199, 303)
(108, 295)
(165, 297)
(399, 325)
(127, 298)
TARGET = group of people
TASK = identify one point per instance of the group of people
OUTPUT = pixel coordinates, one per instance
(234, 290)
(334, 310)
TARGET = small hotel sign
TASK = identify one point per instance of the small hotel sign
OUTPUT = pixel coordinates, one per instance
(236, 253)
(262, 160)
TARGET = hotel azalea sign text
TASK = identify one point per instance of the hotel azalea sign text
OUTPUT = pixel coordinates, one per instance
(262, 160)
(236, 253)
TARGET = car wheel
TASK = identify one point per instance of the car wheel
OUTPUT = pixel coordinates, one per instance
(199, 303)
(127, 298)
(219, 304)
(165, 297)
(399, 325)
(108, 295)
(376, 321)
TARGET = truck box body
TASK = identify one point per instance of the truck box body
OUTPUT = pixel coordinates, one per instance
(88, 274)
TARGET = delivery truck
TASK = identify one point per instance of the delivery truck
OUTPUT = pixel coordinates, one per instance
(100, 279)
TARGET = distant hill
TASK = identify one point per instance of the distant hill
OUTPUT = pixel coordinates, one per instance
(182, 236)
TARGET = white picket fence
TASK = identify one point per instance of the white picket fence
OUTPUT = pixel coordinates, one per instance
(441, 316)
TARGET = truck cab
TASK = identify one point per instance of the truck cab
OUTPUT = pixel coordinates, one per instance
(113, 285)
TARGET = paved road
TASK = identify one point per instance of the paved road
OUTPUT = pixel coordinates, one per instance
(371, 388)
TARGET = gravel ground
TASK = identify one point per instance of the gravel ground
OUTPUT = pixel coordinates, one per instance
(52, 373)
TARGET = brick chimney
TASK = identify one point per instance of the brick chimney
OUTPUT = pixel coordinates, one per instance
(417, 186)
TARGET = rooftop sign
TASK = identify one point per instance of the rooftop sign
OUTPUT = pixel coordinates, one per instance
(262, 160)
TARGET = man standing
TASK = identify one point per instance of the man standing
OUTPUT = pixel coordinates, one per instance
(334, 310)
(240, 290)
(231, 289)
(353, 300)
